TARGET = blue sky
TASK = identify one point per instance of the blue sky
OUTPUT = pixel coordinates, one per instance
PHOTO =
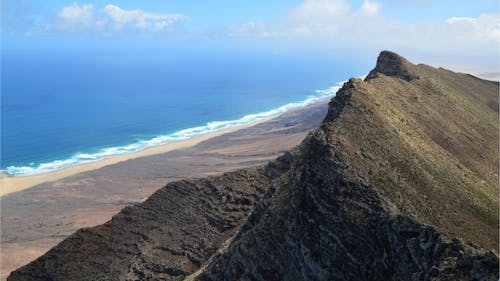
(203, 14)
(459, 34)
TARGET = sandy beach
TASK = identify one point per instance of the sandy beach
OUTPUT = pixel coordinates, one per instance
(35, 219)
(10, 184)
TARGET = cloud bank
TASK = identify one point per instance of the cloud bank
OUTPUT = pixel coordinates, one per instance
(337, 23)
(332, 26)
(111, 18)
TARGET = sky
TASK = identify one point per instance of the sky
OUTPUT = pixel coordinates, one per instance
(462, 35)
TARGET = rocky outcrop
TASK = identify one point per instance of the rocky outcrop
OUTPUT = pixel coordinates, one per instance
(167, 237)
(392, 64)
(403, 162)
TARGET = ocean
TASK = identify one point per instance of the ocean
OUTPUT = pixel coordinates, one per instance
(60, 109)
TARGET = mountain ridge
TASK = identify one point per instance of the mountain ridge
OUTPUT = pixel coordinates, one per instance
(403, 161)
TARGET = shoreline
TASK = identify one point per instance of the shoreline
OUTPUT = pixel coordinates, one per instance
(38, 218)
(11, 183)
(180, 135)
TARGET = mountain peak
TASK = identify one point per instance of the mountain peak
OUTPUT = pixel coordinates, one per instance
(392, 64)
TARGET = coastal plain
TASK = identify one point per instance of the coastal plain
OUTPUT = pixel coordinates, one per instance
(49, 207)
(12, 184)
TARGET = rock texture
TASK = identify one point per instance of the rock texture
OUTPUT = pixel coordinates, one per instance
(168, 236)
(392, 64)
(402, 163)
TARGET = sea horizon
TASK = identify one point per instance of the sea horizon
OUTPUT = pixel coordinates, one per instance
(184, 134)
(61, 108)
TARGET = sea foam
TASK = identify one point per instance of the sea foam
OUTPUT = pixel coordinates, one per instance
(210, 127)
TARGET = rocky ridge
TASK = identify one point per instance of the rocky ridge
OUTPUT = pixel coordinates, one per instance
(403, 162)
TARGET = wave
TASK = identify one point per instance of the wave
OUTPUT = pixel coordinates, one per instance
(80, 158)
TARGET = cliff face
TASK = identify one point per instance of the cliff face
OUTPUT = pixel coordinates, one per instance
(167, 236)
(403, 162)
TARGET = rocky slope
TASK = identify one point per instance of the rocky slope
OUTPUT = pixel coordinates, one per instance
(403, 162)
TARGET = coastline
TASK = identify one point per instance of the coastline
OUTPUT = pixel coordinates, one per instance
(36, 219)
(10, 183)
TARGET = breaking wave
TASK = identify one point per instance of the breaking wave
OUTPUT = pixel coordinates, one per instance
(210, 127)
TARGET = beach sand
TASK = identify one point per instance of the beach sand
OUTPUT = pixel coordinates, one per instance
(10, 184)
(35, 219)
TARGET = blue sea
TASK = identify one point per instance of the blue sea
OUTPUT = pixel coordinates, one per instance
(62, 108)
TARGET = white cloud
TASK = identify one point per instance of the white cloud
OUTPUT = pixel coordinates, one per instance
(369, 7)
(140, 19)
(328, 18)
(454, 20)
(111, 18)
(75, 16)
(78, 12)
(335, 23)
(320, 10)
(485, 27)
